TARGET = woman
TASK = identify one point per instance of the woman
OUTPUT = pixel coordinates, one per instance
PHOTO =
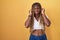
(36, 21)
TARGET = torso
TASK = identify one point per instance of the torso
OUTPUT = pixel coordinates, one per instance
(38, 30)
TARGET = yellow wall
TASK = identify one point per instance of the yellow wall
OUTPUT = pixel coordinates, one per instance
(13, 14)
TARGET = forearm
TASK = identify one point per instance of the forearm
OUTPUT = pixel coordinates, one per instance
(46, 20)
(28, 21)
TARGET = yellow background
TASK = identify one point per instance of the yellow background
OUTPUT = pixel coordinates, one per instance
(13, 14)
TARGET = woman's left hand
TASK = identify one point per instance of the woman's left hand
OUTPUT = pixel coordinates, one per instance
(43, 11)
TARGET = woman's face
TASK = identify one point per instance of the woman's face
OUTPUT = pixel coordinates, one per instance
(36, 9)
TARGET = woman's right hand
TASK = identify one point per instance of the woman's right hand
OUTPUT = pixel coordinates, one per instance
(30, 12)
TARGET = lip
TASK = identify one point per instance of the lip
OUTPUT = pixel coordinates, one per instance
(36, 12)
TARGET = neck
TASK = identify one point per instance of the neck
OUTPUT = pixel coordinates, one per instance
(37, 16)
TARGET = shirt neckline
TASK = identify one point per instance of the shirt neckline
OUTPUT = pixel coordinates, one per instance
(36, 19)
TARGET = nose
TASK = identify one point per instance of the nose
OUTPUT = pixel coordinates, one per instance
(36, 9)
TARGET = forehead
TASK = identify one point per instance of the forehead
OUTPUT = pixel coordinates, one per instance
(36, 6)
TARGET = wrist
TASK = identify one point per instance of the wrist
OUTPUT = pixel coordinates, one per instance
(43, 15)
(29, 15)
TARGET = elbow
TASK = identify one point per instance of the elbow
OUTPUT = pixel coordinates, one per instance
(26, 26)
(48, 24)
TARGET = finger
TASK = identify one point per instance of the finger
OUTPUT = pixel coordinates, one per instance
(29, 11)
